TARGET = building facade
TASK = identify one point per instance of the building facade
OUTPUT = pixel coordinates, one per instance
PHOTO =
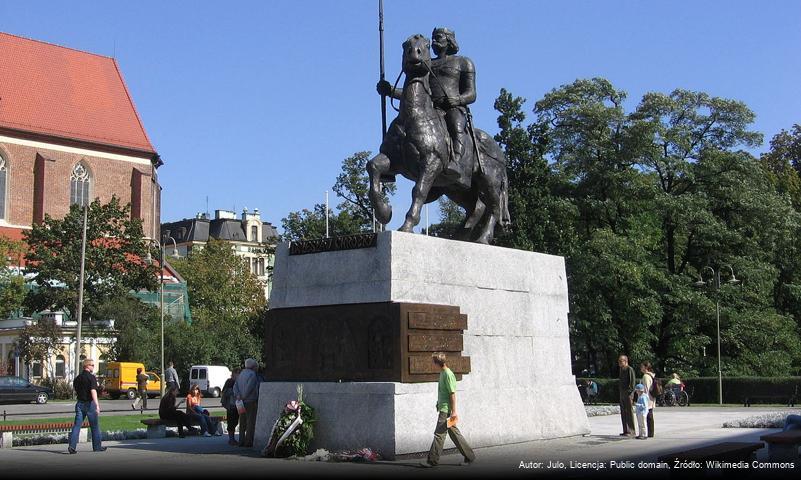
(249, 236)
(98, 335)
(69, 133)
(60, 364)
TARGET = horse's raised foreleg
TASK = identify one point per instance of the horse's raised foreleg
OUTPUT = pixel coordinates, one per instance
(420, 194)
(375, 168)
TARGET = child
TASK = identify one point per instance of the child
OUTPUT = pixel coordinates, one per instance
(641, 409)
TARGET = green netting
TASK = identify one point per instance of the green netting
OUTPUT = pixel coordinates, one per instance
(176, 301)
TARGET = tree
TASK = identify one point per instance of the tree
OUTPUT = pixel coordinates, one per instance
(12, 287)
(227, 302)
(37, 341)
(541, 221)
(353, 186)
(783, 163)
(137, 327)
(644, 202)
(354, 214)
(451, 218)
(310, 224)
(116, 253)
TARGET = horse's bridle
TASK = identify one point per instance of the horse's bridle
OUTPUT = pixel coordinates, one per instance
(395, 86)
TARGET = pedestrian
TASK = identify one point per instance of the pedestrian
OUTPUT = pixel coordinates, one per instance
(246, 390)
(591, 389)
(626, 393)
(642, 410)
(168, 411)
(447, 416)
(649, 380)
(229, 402)
(171, 377)
(141, 390)
(87, 406)
(194, 410)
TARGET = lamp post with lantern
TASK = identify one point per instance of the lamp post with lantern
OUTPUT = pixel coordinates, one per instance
(715, 282)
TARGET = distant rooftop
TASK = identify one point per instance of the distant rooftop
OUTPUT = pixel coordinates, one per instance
(224, 226)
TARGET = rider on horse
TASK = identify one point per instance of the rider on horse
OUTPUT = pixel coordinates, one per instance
(453, 88)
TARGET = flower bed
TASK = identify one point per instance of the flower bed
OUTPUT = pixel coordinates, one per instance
(765, 420)
(601, 410)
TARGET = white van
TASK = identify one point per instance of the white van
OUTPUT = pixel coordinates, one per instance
(210, 378)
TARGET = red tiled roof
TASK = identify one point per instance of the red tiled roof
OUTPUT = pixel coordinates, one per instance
(58, 91)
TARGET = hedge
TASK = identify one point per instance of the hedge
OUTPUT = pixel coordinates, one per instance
(705, 389)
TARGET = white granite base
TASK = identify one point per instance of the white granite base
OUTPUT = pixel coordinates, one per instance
(520, 388)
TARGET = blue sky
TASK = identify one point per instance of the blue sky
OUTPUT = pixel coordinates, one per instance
(255, 103)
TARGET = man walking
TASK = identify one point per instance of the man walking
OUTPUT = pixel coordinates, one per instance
(141, 384)
(246, 389)
(87, 406)
(171, 377)
(446, 422)
(626, 386)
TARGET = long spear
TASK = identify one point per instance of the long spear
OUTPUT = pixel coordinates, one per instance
(381, 42)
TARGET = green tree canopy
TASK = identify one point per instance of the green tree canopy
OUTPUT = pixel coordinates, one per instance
(641, 203)
(227, 302)
(12, 286)
(353, 215)
(116, 253)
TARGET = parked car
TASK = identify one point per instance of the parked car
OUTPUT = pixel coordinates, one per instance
(19, 390)
(210, 378)
(120, 380)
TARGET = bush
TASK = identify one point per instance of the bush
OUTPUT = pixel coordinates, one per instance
(607, 389)
(62, 389)
(737, 389)
(705, 389)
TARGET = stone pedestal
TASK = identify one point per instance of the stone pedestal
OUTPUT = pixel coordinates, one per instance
(520, 386)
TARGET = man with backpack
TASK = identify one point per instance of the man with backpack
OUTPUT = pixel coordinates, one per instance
(654, 388)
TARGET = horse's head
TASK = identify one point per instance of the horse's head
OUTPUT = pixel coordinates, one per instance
(416, 56)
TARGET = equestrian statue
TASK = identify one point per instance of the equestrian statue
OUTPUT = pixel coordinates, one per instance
(433, 142)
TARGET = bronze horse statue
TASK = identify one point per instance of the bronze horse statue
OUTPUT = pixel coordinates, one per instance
(418, 146)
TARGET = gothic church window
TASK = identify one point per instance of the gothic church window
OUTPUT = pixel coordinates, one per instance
(80, 181)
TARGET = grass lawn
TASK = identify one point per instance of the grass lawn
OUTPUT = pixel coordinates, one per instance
(107, 424)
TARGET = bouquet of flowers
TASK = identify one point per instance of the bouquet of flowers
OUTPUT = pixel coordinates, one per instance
(293, 431)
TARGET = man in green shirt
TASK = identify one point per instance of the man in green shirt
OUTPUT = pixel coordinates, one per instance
(446, 406)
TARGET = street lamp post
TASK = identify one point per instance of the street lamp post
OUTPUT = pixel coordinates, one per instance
(161, 296)
(716, 279)
(77, 359)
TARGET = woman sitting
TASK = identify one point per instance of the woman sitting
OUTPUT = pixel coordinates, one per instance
(167, 411)
(196, 413)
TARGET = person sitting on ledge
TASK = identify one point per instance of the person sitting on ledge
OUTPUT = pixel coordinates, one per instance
(167, 411)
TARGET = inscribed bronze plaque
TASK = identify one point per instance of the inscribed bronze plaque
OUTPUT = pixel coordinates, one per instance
(427, 342)
(422, 364)
(390, 342)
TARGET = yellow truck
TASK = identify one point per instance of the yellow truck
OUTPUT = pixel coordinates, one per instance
(121, 380)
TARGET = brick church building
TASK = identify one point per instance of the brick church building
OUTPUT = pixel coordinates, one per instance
(69, 133)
